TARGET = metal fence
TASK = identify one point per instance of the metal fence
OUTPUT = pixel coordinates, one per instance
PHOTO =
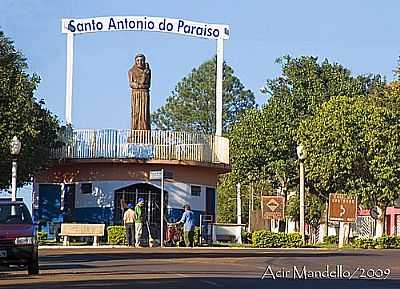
(141, 144)
(364, 227)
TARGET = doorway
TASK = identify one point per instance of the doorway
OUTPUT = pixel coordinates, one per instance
(152, 205)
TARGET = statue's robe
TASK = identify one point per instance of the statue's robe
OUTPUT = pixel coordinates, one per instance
(139, 80)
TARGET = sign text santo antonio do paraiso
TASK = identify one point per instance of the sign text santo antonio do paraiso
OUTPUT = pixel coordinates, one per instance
(145, 23)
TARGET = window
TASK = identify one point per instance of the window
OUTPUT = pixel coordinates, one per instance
(21, 214)
(195, 191)
(86, 188)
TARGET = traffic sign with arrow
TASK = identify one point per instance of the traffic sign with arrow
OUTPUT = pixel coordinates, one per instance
(342, 208)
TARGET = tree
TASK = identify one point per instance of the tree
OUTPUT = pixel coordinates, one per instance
(266, 139)
(191, 107)
(23, 116)
(227, 197)
(313, 210)
(352, 145)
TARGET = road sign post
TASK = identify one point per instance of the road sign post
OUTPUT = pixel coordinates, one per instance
(161, 175)
(162, 208)
(342, 208)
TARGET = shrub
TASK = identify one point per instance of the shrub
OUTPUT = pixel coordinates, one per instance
(331, 239)
(196, 241)
(363, 243)
(266, 239)
(41, 237)
(246, 237)
(388, 242)
(116, 235)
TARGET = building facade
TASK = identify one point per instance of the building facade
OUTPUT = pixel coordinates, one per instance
(96, 173)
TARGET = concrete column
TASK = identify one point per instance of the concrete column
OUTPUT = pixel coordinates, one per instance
(218, 89)
(302, 232)
(68, 86)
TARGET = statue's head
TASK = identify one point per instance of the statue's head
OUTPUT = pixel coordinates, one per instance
(140, 60)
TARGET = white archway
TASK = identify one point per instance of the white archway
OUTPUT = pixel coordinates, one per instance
(218, 32)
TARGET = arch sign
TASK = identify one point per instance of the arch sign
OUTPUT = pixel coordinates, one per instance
(218, 32)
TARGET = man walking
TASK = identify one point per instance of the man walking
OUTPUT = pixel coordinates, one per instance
(139, 221)
(188, 226)
(129, 220)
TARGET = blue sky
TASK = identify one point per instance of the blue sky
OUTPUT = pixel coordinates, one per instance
(361, 35)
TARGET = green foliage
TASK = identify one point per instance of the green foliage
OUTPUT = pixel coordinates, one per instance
(331, 239)
(352, 145)
(41, 237)
(388, 242)
(266, 239)
(227, 194)
(314, 207)
(191, 107)
(116, 235)
(226, 199)
(196, 237)
(264, 141)
(22, 115)
(247, 237)
(383, 242)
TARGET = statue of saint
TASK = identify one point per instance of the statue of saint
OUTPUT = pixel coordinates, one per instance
(139, 81)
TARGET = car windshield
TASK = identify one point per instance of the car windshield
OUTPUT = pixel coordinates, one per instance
(14, 214)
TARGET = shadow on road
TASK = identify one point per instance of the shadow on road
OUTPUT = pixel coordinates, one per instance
(208, 283)
(126, 255)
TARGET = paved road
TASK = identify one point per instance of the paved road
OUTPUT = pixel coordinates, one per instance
(205, 268)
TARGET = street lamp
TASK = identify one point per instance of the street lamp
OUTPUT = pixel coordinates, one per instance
(15, 147)
(302, 154)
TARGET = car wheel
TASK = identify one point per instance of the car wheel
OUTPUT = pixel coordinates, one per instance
(33, 266)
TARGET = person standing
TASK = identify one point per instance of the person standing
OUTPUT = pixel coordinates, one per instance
(139, 221)
(129, 220)
(188, 226)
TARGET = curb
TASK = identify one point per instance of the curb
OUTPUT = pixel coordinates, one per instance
(184, 248)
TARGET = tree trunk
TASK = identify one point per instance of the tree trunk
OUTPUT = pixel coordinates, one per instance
(380, 222)
(326, 228)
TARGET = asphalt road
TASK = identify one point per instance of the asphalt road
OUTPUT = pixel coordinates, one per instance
(209, 268)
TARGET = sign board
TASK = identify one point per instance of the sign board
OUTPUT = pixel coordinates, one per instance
(156, 175)
(342, 208)
(145, 23)
(374, 213)
(140, 151)
(273, 207)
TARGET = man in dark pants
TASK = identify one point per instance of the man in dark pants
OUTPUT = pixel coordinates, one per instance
(188, 226)
(129, 222)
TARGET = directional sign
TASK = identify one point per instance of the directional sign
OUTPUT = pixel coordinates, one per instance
(156, 175)
(273, 207)
(374, 213)
(342, 208)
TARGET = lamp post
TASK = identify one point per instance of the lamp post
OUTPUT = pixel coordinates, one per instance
(15, 147)
(302, 154)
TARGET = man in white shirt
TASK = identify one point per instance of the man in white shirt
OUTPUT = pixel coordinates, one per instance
(129, 223)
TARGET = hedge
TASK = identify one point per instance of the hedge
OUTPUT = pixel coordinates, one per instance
(41, 237)
(247, 237)
(384, 242)
(266, 239)
(331, 239)
(116, 235)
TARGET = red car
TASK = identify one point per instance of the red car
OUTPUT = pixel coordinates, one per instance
(18, 244)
